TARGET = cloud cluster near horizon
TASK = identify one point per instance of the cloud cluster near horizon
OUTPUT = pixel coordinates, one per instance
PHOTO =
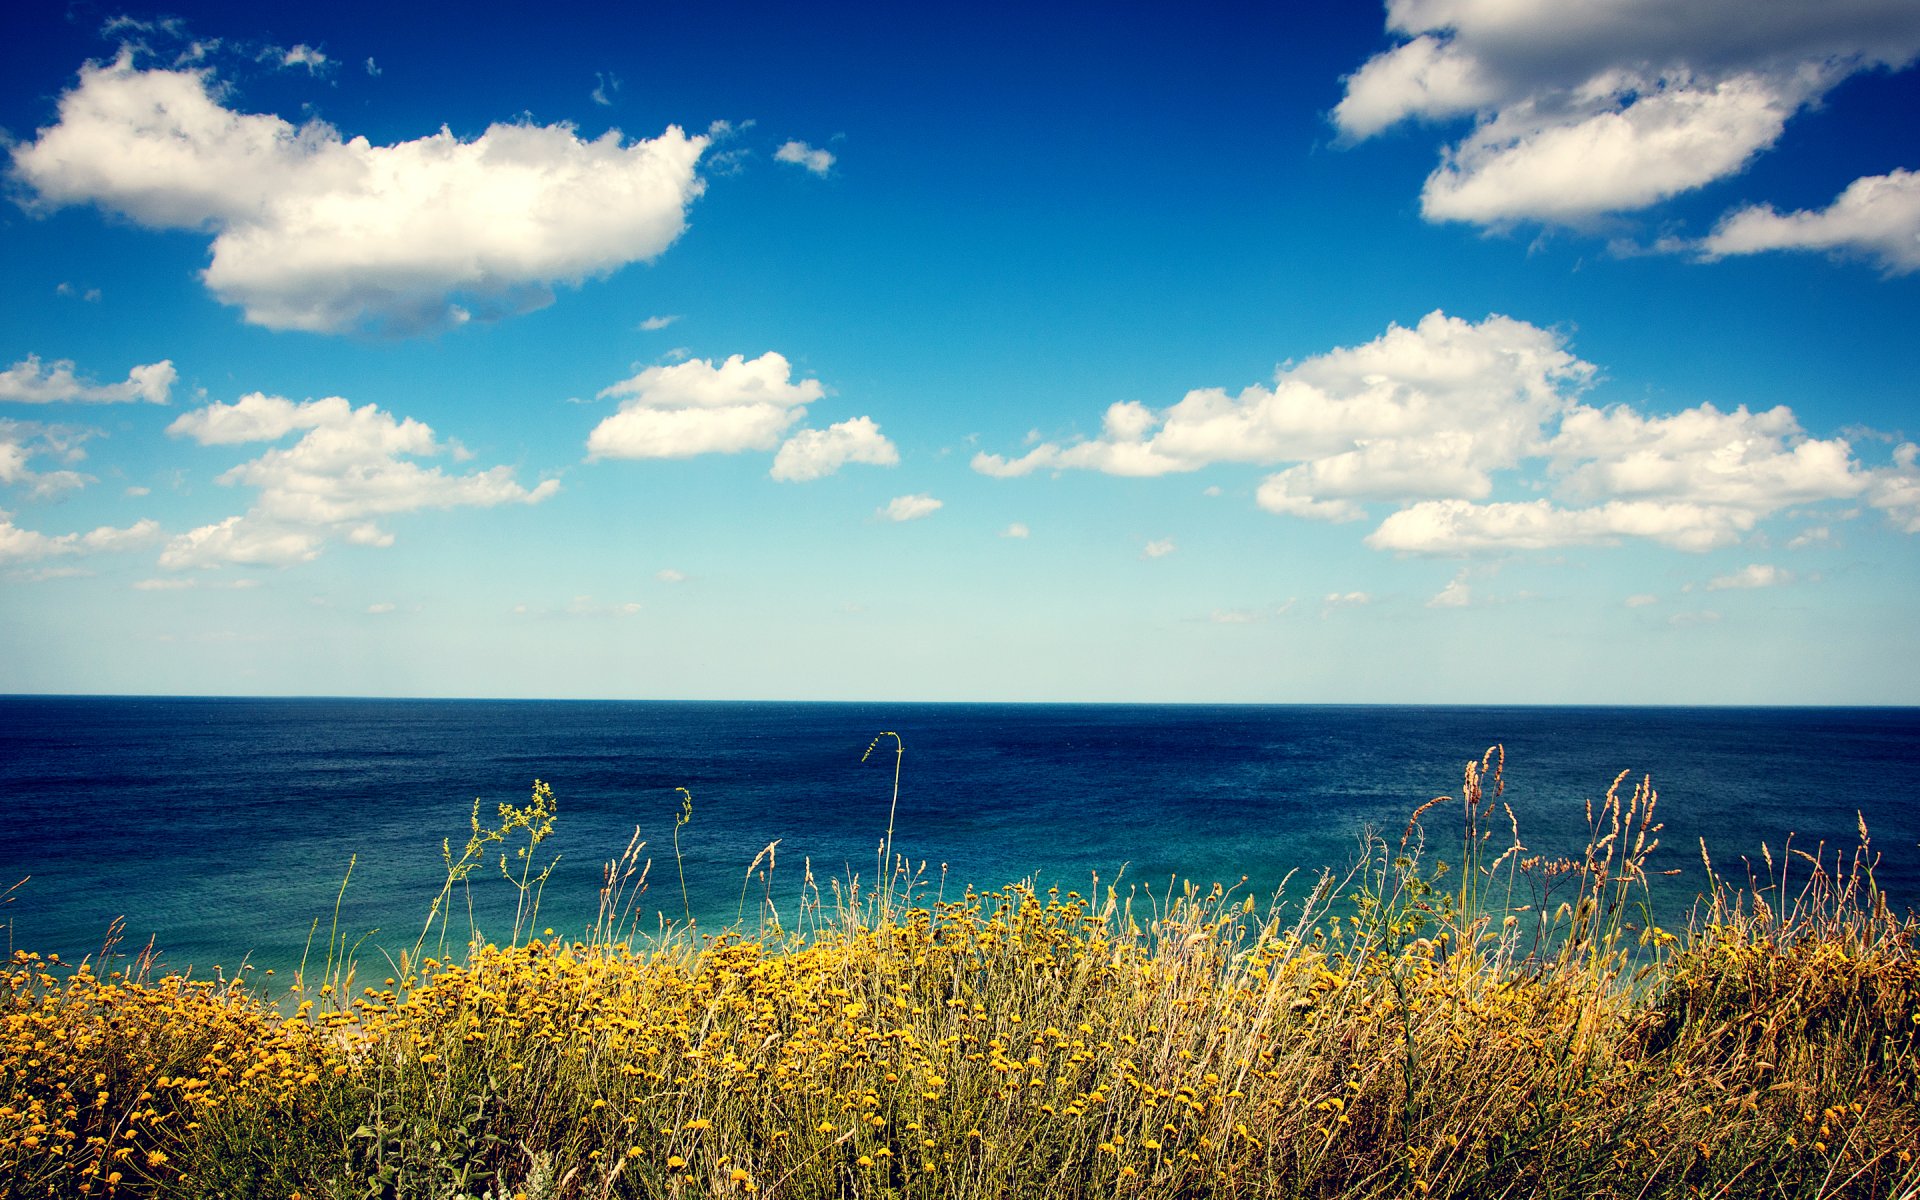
(1582, 112)
(318, 231)
(1429, 419)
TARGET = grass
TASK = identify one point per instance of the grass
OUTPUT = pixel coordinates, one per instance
(1498, 1025)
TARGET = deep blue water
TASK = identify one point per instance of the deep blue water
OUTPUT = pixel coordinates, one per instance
(223, 827)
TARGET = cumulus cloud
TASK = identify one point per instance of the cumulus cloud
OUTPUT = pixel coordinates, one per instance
(1345, 600)
(27, 545)
(1612, 105)
(1158, 548)
(1429, 418)
(695, 407)
(670, 575)
(799, 153)
(317, 231)
(22, 442)
(1877, 217)
(1641, 600)
(30, 381)
(1423, 411)
(812, 453)
(1896, 489)
(1457, 594)
(348, 468)
(1017, 529)
(909, 508)
(1753, 575)
(651, 324)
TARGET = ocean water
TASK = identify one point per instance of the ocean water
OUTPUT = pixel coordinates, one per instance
(223, 828)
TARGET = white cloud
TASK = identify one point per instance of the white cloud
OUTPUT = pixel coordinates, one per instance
(669, 575)
(1158, 548)
(1424, 411)
(1463, 527)
(316, 231)
(139, 490)
(1017, 529)
(658, 322)
(696, 407)
(1457, 594)
(29, 381)
(1610, 105)
(1703, 616)
(1896, 489)
(303, 55)
(801, 154)
(382, 607)
(910, 508)
(1431, 418)
(1753, 575)
(90, 295)
(812, 453)
(27, 545)
(348, 467)
(1877, 216)
(1345, 600)
(605, 84)
(23, 441)
(1813, 536)
(1641, 600)
(1235, 616)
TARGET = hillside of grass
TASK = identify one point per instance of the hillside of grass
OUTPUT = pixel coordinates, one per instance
(1453, 1016)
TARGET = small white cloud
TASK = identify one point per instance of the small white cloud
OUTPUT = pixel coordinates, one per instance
(606, 83)
(1235, 616)
(1754, 575)
(1346, 600)
(696, 407)
(1876, 217)
(382, 607)
(1211, 490)
(909, 508)
(306, 56)
(90, 295)
(669, 575)
(818, 161)
(1159, 548)
(1702, 616)
(1457, 594)
(373, 68)
(658, 322)
(1814, 536)
(27, 545)
(173, 584)
(1017, 529)
(1641, 600)
(138, 490)
(813, 453)
(30, 382)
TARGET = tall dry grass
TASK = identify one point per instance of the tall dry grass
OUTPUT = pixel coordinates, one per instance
(1498, 1024)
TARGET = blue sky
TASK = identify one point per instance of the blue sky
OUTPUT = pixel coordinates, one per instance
(1452, 351)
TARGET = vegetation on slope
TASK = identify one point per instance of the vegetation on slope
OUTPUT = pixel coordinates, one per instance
(1500, 1025)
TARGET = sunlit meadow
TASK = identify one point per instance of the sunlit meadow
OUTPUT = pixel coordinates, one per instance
(1451, 1016)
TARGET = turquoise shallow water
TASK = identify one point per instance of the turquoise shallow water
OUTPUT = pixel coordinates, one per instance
(223, 827)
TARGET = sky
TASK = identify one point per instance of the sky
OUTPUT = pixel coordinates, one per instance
(1452, 351)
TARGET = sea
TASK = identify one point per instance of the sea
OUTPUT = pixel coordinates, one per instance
(237, 834)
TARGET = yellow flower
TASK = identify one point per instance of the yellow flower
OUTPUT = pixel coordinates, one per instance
(675, 1161)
